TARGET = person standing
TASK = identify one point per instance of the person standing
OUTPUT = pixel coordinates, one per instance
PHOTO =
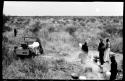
(101, 49)
(15, 32)
(85, 47)
(107, 51)
(113, 68)
(84, 55)
(40, 46)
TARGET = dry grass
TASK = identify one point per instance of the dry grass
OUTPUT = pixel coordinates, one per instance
(58, 35)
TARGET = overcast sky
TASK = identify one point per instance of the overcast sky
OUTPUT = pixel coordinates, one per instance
(23, 8)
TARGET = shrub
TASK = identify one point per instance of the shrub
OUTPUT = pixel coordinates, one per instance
(36, 27)
(117, 45)
(71, 30)
(5, 18)
(113, 30)
(6, 28)
(51, 29)
(104, 35)
(7, 55)
(93, 20)
(4, 39)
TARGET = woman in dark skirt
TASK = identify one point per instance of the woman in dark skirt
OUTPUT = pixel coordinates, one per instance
(113, 68)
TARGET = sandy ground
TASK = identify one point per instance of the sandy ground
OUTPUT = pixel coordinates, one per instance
(89, 63)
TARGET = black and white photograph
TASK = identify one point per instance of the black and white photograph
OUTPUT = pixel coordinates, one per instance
(62, 40)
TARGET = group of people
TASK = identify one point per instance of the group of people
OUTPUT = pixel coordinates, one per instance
(104, 56)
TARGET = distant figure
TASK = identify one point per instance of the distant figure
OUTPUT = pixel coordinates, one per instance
(85, 47)
(15, 32)
(113, 68)
(107, 51)
(101, 49)
(83, 56)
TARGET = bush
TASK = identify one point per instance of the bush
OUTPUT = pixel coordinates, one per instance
(36, 27)
(117, 45)
(51, 29)
(113, 30)
(6, 28)
(104, 35)
(5, 18)
(8, 56)
(4, 39)
(71, 30)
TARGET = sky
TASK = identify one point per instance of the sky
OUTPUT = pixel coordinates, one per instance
(23, 8)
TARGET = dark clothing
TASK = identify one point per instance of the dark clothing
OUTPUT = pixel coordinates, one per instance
(113, 70)
(101, 50)
(15, 32)
(85, 47)
(40, 46)
(101, 55)
(101, 46)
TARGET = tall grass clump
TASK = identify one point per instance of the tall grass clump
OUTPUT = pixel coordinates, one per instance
(117, 45)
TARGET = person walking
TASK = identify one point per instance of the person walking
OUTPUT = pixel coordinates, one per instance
(101, 49)
(107, 51)
(113, 68)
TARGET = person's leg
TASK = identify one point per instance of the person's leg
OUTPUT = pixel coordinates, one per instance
(101, 58)
(113, 75)
(34, 51)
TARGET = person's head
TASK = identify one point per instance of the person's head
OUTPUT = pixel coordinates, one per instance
(107, 40)
(85, 43)
(101, 40)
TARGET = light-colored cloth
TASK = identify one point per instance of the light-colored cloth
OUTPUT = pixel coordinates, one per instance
(107, 75)
(35, 44)
(82, 78)
(106, 55)
(107, 52)
(80, 45)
